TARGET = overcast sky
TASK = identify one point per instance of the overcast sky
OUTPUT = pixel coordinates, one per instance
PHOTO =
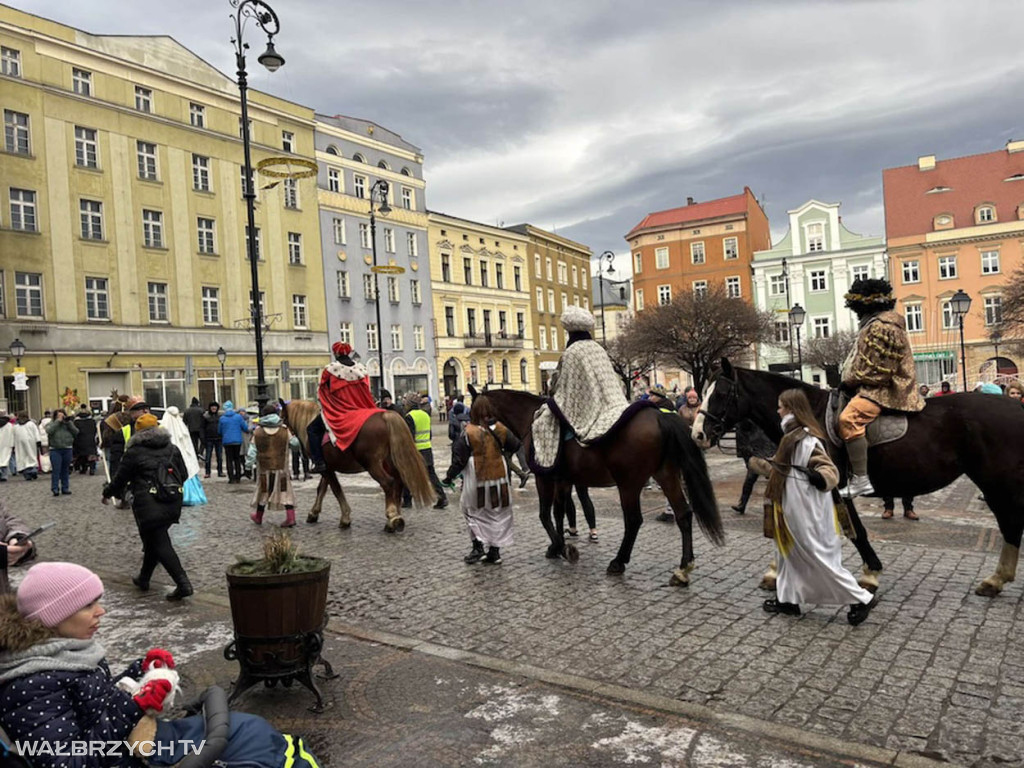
(585, 115)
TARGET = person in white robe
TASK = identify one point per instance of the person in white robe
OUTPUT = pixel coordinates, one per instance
(6, 444)
(26, 446)
(192, 493)
(801, 477)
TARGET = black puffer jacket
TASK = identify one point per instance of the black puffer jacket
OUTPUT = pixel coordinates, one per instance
(211, 425)
(85, 440)
(147, 452)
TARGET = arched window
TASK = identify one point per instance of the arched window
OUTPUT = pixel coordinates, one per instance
(474, 374)
(332, 150)
(490, 371)
(504, 372)
(384, 164)
(986, 214)
(522, 371)
(358, 158)
(406, 172)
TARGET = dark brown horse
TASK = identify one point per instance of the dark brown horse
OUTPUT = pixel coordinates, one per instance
(651, 444)
(975, 434)
(383, 447)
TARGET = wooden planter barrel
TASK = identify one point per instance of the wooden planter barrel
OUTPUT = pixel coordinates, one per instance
(279, 621)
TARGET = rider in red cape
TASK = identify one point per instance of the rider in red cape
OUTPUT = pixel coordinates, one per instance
(345, 405)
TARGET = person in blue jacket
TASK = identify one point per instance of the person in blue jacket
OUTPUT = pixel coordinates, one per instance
(231, 427)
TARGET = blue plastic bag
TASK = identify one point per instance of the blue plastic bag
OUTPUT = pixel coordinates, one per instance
(193, 495)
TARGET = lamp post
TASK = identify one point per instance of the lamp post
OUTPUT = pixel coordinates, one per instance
(796, 319)
(961, 304)
(222, 356)
(996, 337)
(266, 19)
(18, 352)
(379, 191)
(609, 257)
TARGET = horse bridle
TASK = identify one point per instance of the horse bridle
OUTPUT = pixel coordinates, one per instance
(732, 398)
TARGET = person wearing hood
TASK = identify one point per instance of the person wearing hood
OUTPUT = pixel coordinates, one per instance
(150, 463)
(230, 428)
(194, 422)
(27, 446)
(193, 494)
(273, 485)
(211, 438)
(85, 454)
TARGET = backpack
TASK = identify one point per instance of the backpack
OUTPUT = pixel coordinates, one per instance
(168, 487)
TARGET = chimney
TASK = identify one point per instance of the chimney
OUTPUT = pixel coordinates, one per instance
(926, 163)
(1014, 146)
(690, 201)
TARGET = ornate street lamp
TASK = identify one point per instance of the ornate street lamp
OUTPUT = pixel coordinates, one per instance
(17, 351)
(266, 19)
(996, 337)
(222, 356)
(796, 319)
(378, 192)
(609, 257)
(961, 305)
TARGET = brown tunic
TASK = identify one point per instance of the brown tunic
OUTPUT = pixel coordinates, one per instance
(271, 449)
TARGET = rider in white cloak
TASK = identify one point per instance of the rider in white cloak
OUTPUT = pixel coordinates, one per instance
(586, 392)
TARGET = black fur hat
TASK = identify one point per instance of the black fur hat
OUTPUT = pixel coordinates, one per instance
(871, 295)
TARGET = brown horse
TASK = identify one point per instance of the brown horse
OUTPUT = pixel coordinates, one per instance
(383, 447)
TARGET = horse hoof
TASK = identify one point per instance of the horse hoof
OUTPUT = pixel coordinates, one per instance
(344, 524)
(616, 567)
(395, 525)
(572, 554)
(553, 553)
(988, 589)
(681, 576)
(767, 584)
(399, 524)
(311, 518)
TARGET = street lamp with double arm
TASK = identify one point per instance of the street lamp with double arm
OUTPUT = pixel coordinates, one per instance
(609, 257)
(378, 194)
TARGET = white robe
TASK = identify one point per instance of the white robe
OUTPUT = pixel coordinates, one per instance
(26, 452)
(6, 444)
(813, 572)
(180, 437)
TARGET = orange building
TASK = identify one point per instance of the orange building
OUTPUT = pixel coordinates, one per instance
(697, 246)
(956, 225)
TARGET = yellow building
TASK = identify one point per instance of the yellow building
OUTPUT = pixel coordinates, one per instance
(122, 223)
(560, 276)
(481, 292)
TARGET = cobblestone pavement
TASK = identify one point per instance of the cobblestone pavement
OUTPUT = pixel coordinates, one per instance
(935, 671)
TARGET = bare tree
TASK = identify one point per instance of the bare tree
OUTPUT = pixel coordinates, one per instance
(695, 331)
(629, 359)
(1012, 324)
(829, 353)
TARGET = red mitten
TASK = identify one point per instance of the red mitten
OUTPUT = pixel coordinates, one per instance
(151, 697)
(157, 657)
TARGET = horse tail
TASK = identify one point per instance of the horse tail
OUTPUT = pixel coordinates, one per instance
(690, 461)
(407, 460)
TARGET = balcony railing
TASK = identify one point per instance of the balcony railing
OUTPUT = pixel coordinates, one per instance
(492, 341)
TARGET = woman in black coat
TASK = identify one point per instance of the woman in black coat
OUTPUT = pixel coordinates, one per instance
(150, 454)
(85, 453)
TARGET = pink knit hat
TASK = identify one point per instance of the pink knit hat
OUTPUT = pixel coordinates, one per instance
(51, 592)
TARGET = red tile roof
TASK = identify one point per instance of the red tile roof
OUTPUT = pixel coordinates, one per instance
(972, 180)
(713, 209)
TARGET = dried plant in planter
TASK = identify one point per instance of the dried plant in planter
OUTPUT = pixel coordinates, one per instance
(280, 555)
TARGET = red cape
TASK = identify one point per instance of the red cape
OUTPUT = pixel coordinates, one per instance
(346, 402)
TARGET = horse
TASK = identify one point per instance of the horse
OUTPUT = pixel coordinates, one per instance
(651, 443)
(383, 447)
(967, 433)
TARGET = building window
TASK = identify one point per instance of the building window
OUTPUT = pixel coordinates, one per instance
(911, 271)
(947, 267)
(97, 298)
(563, 273)
(368, 292)
(697, 255)
(291, 193)
(407, 198)
(86, 150)
(731, 247)
(449, 321)
(543, 338)
(520, 325)
(583, 280)
(201, 173)
(371, 337)
(255, 243)
(359, 185)
(211, 305)
(551, 301)
(471, 322)
(294, 248)
(949, 317)
(249, 126)
(197, 115)
(338, 227)
(815, 237)
(16, 132)
(364, 236)
(781, 331)
(540, 299)
(993, 310)
(152, 229)
(81, 82)
(517, 278)
(287, 141)
(146, 153)
(484, 277)
(986, 214)
(473, 372)
(414, 292)
(860, 272)
(700, 288)
(28, 294)
(819, 281)
(10, 61)
(732, 287)
(914, 317)
(157, 294)
(776, 285)
(661, 258)
(345, 332)
(639, 299)
(547, 262)
(822, 327)
(418, 338)
(333, 180)
(522, 370)
(394, 295)
(638, 263)
(565, 301)
(665, 294)
(412, 244)
(263, 304)
(575, 276)
(344, 286)
(499, 277)
(23, 210)
(446, 267)
(536, 266)
(396, 338)
(990, 262)
(143, 99)
(91, 215)
(299, 317)
(505, 376)
(389, 240)
(554, 339)
(245, 183)
(467, 271)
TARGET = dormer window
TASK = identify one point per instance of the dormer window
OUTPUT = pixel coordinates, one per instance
(942, 221)
(985, 214)
(1015, 177)
(936, 190)
(815, 237)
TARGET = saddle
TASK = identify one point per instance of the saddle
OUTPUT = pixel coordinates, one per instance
(889, 427)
